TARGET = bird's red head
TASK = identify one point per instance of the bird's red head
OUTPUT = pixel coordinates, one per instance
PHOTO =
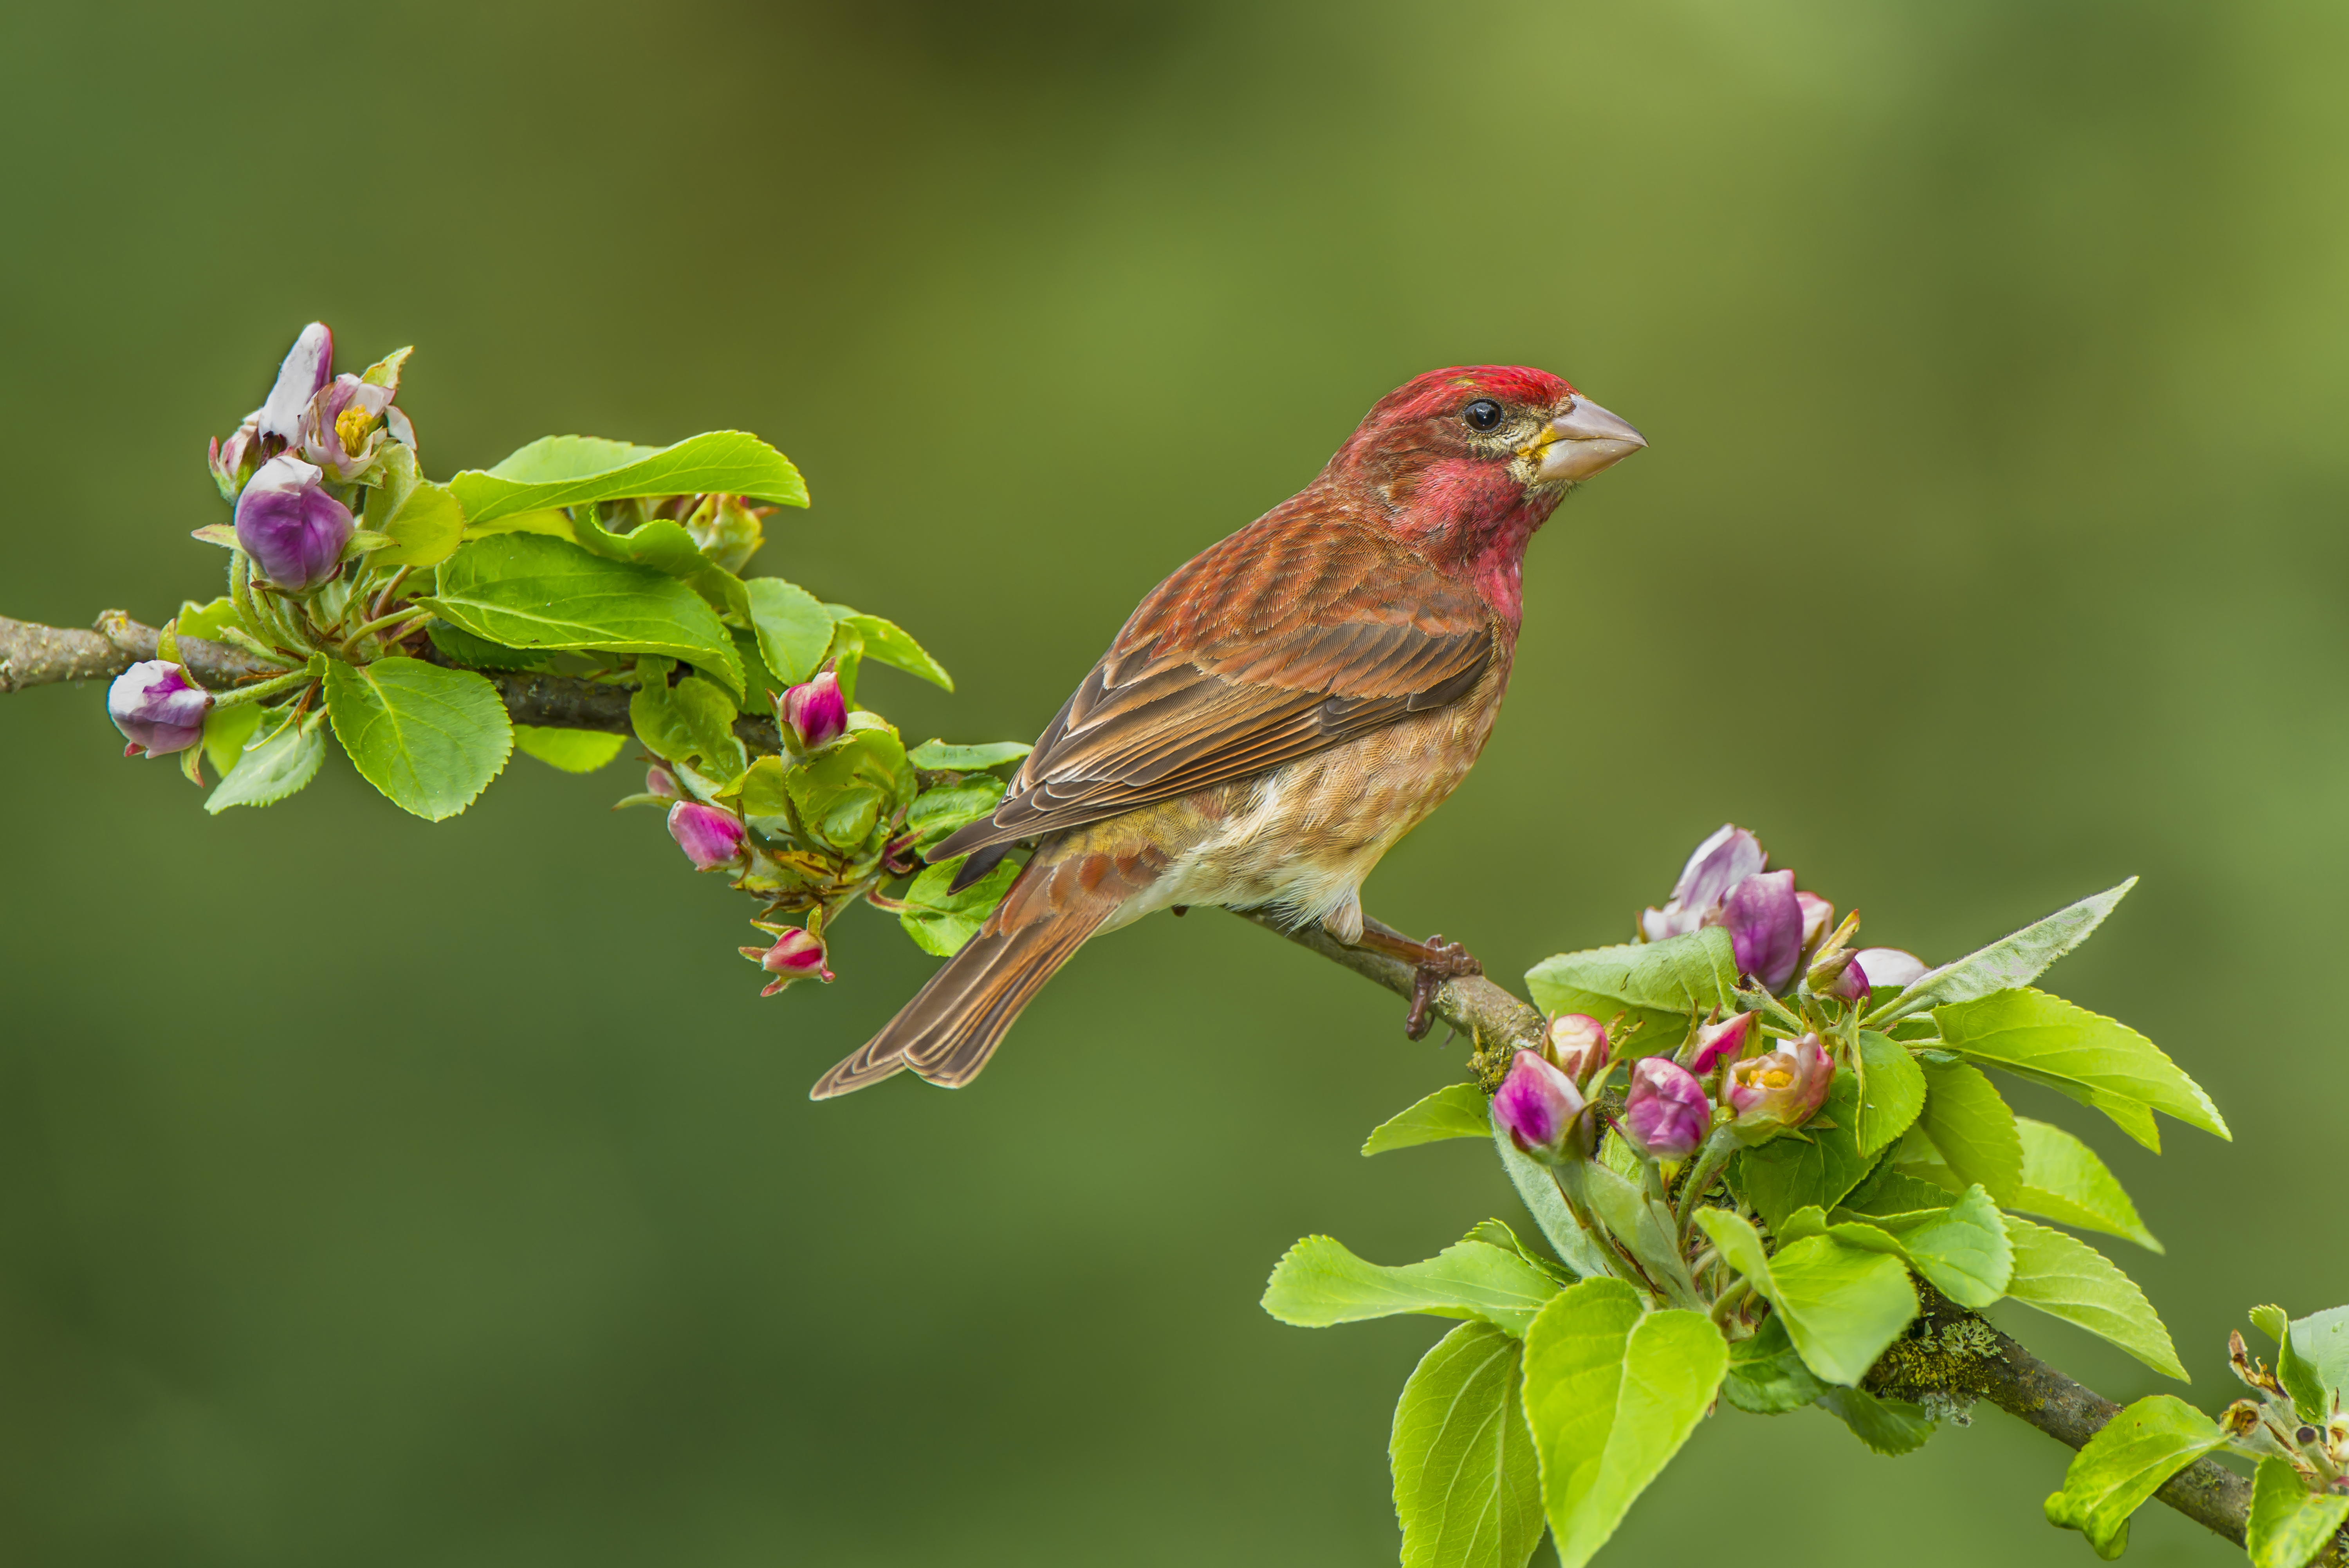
(1466, 462)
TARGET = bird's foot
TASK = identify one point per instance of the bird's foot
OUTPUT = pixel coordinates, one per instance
(1441, 961)
(1432, 962)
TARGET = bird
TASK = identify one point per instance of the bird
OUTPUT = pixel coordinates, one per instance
(1275, 714)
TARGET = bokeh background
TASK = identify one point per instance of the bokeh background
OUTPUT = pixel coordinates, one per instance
(378, 1193)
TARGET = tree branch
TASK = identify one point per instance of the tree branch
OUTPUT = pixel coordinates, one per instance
(36, 655)
(1990, 1366)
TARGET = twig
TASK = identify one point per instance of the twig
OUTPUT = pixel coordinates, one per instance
(2002, 1371)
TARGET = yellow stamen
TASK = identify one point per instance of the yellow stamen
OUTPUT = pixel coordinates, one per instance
(351, 427)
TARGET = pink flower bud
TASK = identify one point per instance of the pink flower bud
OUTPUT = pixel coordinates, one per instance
(309, 366)
(1719, 864)
(1817, 916)
(1891, 967)
(234, 460)
(1718, 1042)
(1764, 923)
(291, 528)
(1542, 1112)
(1666, 1114)
(1780, 1090)
(709, 837)
(815, 710)
(158, 708)
(659, 780)
(1852, 984)
(796, 955)
(1578, 1044)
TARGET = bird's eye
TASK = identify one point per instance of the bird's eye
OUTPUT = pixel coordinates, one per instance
(1484, 414)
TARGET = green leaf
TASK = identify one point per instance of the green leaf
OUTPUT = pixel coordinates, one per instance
(1889, 1427)
(1972, 1129)
(1496, 1233)
(693, 719)
(2063, 1180)
(1892, 1191)
(281, 764)
(937, 756)
(1538, 1190)
(1642, 1225)
(2066, 1278)
(1842, 1305)
(573, 471)
(2129, 1459)
(573, 750)
(1456, 1110)
(1895, 1091)
(938, 811)
(887, 642)
(2289, 1524)
(1467, 1490)
(1660, 984)
(480, 652)
(2311, 1357)
(1766, 1375)
(1788, 1173)
(525, 590)
(226, 730)
(424, 521)
(941, 921)
(430, 739)
(2092, 1058)
(1612, 1394)
(1962, 1249)
(2010, 961)
(209, 620)
(663, 544)
(847, 789)
(1318, 1283)
(794, 628)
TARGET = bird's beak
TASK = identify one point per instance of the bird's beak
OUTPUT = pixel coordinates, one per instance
(1584, 439)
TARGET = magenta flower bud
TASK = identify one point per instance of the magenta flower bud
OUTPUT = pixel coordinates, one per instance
(1780, 1090)
(796, 955)
(1578, 1044)
(1852, 983)
(1667, 1115)
(234, 460)
(1891, 967)
(309, 366)
(291, 528)
(1722, 861)
(1542, 1112)
(1817, 916)
(1718, 1042)
(157, 708)
(659, 780)
(1764, 924)
(815, 710)
(709, 837)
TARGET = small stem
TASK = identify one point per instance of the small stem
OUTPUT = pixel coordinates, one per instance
(1709, 1163)
(1729, 1300)
(236, 636)
(375, 611)
(260, 689)
(240, 586)
(351, 642)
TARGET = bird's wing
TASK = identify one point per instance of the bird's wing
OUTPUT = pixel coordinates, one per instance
(1290, 637)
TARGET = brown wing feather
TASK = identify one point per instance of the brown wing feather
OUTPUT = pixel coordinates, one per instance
(1297, 633)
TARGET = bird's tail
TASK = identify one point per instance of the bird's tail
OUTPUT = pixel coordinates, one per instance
(952, 1026)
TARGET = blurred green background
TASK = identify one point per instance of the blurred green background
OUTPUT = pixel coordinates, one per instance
(378, 1193)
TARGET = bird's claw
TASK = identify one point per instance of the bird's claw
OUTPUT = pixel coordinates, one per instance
(1441, 961)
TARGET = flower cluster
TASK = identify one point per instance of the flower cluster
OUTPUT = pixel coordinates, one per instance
(290, 467)
(1736, 1080)
(2273, 1424)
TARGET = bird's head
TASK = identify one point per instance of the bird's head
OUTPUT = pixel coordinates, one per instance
(1466, 462)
